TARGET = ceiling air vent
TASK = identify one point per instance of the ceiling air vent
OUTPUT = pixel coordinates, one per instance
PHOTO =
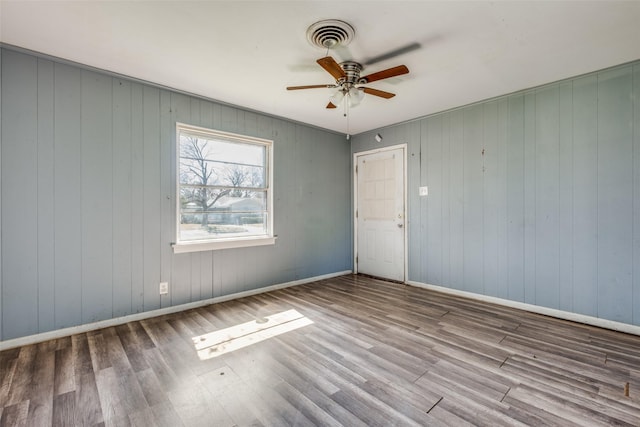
(329, 33)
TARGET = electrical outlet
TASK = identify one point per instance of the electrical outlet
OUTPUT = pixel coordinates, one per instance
(164, 288)
(423, 191)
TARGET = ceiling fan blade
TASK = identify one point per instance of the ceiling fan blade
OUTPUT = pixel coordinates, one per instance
(308, 87)
(330, 105)
(385, 74)
(332, 67)
(380, 93)
(393, 53)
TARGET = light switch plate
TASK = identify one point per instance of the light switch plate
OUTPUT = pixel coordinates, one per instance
(164, 288)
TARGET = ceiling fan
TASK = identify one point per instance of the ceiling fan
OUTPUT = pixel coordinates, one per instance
(349, 84)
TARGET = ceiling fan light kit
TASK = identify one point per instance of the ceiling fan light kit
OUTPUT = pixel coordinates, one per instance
(336, 98)
(355, 96)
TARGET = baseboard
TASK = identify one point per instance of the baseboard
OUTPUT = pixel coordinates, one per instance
(59, 333)
(560, 314)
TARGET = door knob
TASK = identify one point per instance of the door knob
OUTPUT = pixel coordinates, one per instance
(400, 225)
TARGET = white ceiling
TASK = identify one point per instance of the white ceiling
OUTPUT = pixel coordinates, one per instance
(246, 53)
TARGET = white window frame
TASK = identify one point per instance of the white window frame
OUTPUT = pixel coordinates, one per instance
(232, 242)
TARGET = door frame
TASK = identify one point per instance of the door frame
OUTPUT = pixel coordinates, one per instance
(404, 203)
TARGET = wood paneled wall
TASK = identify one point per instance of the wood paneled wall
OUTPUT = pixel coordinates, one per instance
(533, 197)
(88, 199)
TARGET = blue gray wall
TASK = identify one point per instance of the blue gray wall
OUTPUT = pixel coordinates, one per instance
(533, 197)
(87, 201)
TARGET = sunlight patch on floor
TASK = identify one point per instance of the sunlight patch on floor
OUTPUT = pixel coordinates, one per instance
(224, 341)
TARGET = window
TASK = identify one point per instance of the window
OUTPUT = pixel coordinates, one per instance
(224, 190)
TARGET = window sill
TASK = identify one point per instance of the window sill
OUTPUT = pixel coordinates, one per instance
(199, 246)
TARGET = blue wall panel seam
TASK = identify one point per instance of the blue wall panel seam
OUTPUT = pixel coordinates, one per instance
(597, 197)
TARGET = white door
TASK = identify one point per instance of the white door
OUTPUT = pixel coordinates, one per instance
(380, 214)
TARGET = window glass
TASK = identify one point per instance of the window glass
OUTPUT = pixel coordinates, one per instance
(223, 186)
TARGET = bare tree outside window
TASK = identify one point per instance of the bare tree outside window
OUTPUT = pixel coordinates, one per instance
(237, 176)
(195, 169)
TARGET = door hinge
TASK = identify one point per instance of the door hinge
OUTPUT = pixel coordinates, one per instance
(356, 169)
(356, 259)
(356, 213)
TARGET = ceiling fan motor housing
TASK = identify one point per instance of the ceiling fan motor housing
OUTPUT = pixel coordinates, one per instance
(352, 70)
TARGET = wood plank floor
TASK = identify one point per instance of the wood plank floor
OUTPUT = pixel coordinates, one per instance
(357, 352)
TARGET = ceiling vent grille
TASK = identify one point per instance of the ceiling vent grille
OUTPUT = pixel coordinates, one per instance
(330, 33)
